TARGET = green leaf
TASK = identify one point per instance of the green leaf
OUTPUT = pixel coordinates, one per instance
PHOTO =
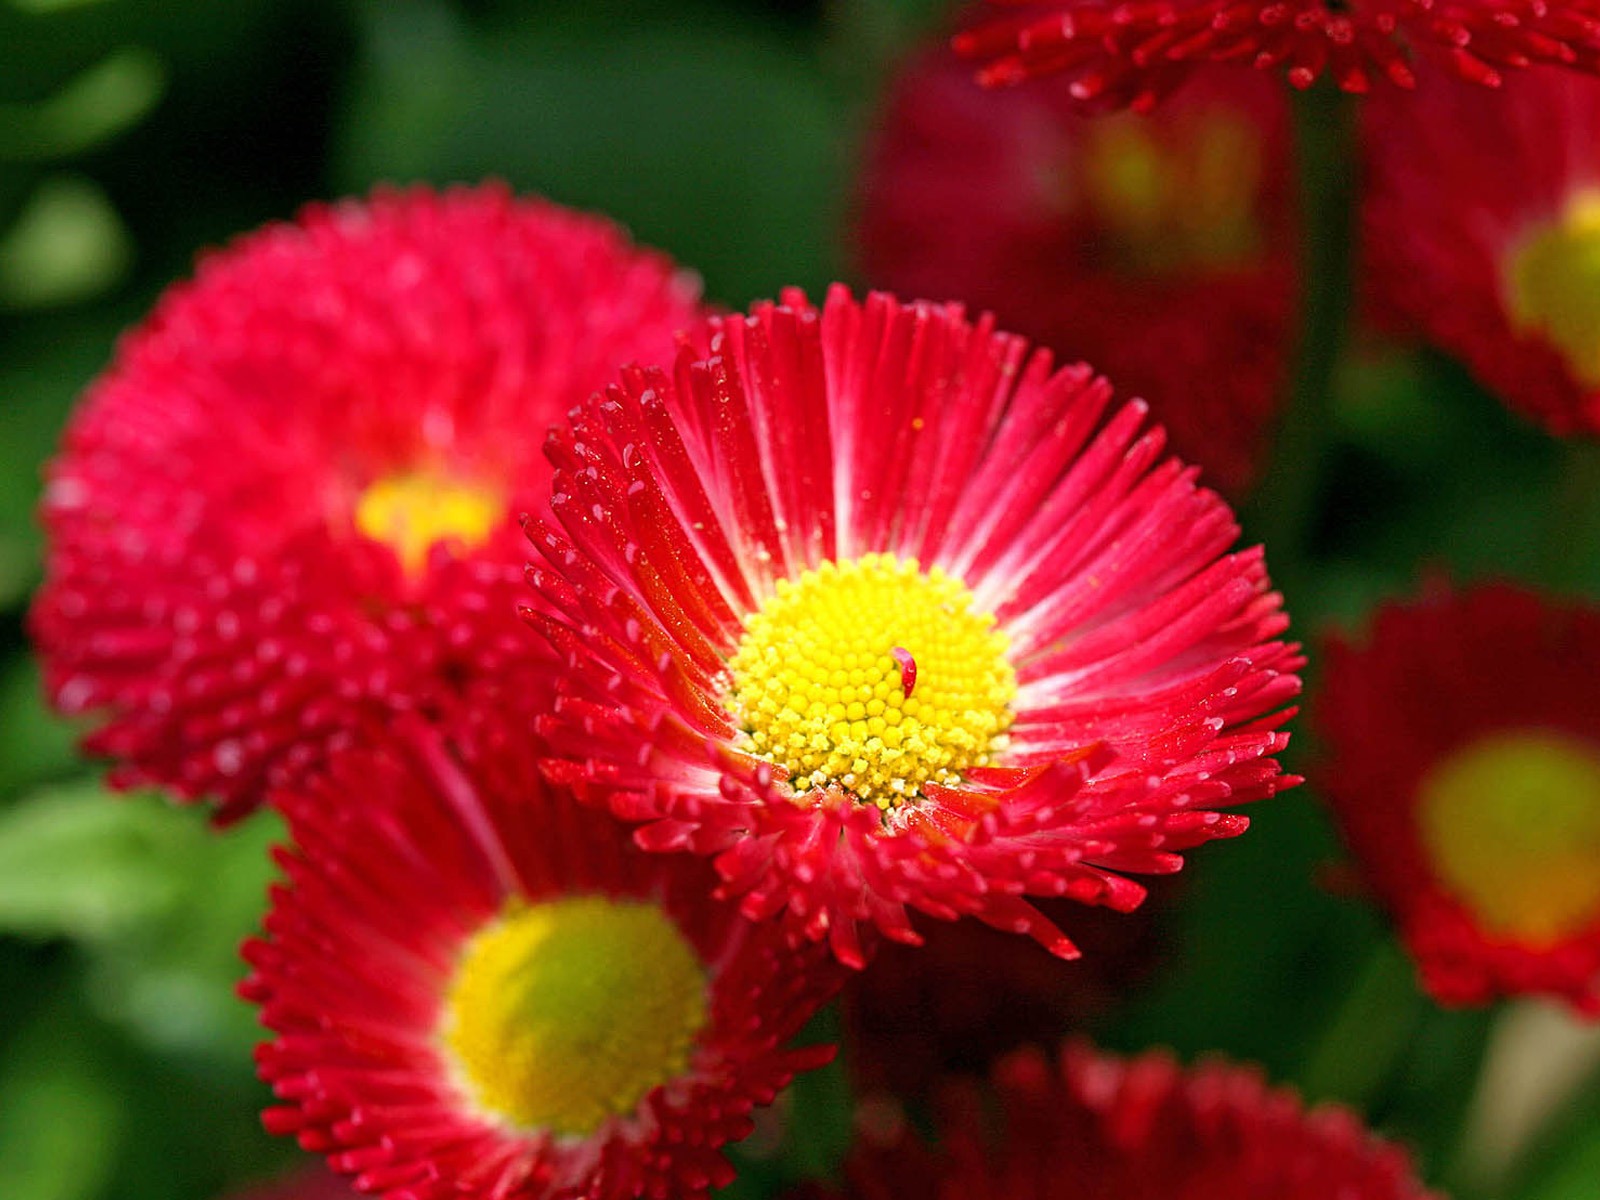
(77, 863)
(1437, 472)
(36, 746)
(821, 1111)
(806, 1134)
(1575, 1176)
(67, 245)
(61, 1121)
(1356, 1052)
(112, 96)
(44, 368)
(50, 6)
(866, 36)
(1265, 955)
(159, 901)
(711, 138)
(172, 980)
(1558, 1157)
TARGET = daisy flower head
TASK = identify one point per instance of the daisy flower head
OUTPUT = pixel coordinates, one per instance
(1462, 763)
(1176, 230)
(479, 989)
(1115, 54)
(1481, 229)
(885, 613)
(1090, 1126)
(288, 510)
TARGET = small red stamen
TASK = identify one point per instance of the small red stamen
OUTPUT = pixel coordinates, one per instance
(908, 670)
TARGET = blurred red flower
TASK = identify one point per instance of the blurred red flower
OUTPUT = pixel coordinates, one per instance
(287, 512)
(1481, 216)
(1161, 249)
(1088, 1126)
(1115, 53)
(1462, 763)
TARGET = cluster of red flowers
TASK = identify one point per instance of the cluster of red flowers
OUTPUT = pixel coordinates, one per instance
(855, 612)
(1102, 235)
(842, 618)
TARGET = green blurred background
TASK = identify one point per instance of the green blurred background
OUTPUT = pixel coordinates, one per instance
(133, 133)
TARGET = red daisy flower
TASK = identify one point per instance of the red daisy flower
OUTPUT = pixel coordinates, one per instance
(480, 989)
(288, 510)
(1092, 1127)
(1173, 233)
(1482, 232)
(882, 612)
(1134, 53)
(1463, 765)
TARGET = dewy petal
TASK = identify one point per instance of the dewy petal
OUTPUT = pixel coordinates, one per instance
(1150, 663)
(1134, 54)
(400, 856)
(219, 595)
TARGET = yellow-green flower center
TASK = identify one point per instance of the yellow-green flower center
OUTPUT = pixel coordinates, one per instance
(410, 512)
(1512, 825)
(1553, 285)
(874, 677)
(1177, 202)
(566, 1012)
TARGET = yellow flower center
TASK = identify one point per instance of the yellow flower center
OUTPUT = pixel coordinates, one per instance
(566, 1012)
(874, 677)
(1553, 285)
(410, 512)
(1512, 824)
(1171, 203)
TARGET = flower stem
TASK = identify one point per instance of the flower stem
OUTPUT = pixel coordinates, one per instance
(1538, 1060)
(1368, 1032)
(1284, 508)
